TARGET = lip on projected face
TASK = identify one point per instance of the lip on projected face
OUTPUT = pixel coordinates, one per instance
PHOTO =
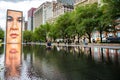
(13, 51)
(13, 35)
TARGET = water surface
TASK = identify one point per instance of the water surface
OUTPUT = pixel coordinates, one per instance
(64, 63)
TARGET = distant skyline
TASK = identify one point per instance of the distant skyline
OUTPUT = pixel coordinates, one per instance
(20, 5)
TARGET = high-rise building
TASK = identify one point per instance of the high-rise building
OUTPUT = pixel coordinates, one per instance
(68, 2)
(25, 25)
(61, 8)
(49, 11)
(84, 2)
(43, 13)
(30, 19)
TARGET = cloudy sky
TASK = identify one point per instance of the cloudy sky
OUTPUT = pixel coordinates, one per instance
(21, 5)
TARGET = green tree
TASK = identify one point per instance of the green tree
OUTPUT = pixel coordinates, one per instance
(113, 8)
(27, 36)
(87, 15)
(103, 20)
(62, 24)
(53, 32)
(42, 32)
(79, 30)
(113, 11)
(47, 28)
(107, 14)
(1, 35)
(71, 29)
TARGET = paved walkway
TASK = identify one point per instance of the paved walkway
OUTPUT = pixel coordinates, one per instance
(92, 44)
(103, 45)
(89, 44)
(106, 45)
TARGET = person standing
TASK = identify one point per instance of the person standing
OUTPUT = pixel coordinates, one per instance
(85, 41)
(49, 44)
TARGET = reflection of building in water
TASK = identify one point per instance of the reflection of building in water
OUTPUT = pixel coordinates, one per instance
(13, 61)
(96, 54)
(106, 54)
(103, 54)
(113, 53)
(58, 48)
(87, 50)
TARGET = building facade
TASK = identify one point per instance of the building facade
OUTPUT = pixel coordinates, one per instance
(60, 9)
(66, 2)
(25, 25)
(42, 14)
(30, 19)
(84, 2)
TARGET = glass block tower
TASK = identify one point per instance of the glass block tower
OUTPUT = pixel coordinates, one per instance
(68, 2)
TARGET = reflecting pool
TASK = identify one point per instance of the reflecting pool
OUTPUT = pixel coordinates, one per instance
(36, 62)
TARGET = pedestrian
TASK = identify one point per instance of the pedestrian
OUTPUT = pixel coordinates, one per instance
(58, 41)
(49, 44)
(84, 40)
(93, 40)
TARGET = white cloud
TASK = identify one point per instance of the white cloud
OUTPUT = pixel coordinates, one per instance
(20, 6)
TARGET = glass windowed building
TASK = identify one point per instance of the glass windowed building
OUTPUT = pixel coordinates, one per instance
(69, 2)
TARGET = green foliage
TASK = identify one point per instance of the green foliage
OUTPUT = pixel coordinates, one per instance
(42, 32)
(27, 36)
(65, 25)
(113, 8)
(108, 12)
(1, 34)
(1, 49)
(53, 32)
(113, 12)
(87, 19)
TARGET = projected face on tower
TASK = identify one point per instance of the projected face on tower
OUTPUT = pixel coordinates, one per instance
(14, 26)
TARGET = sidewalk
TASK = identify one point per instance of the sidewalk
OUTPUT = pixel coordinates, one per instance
(89, 44)
(107, 44)
(72, 44)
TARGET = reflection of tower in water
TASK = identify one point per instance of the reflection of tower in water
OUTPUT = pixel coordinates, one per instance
(13, 61)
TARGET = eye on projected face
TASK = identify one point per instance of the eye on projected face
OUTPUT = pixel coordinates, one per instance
(13, 60)
(14, 26)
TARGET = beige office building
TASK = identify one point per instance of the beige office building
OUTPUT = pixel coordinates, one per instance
(84, 2)
(60, 9)
(48, 12)
(42, 14)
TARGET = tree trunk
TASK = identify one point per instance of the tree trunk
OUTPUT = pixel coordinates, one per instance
(78, 38)
(100, 35)
(89, 38)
